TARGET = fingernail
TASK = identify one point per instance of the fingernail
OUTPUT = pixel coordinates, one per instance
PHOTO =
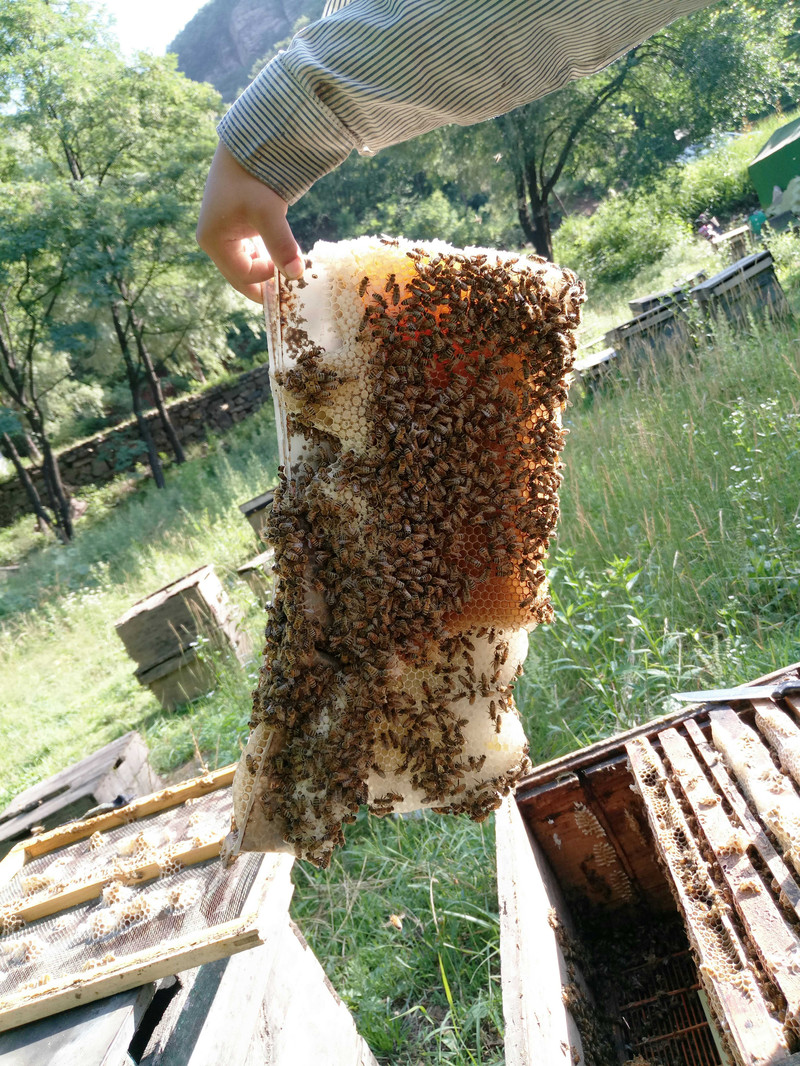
(294, 270)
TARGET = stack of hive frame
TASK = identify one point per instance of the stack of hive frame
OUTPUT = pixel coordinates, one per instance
(693, 819)
(419, 393)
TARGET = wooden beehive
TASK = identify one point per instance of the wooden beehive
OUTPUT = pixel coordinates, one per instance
(256, 511)
(118, 770)
(257, 573)
(650, 895)
(165, 634)
(661, 329)
(749, 286)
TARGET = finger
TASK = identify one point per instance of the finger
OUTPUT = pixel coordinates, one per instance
(241, 264)
(280, 244)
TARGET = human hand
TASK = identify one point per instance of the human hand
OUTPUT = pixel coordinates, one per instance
(243, 228)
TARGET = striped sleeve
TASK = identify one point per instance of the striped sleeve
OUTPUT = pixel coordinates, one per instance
(376, 72)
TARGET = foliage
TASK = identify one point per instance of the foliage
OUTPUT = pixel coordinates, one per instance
(632, 230)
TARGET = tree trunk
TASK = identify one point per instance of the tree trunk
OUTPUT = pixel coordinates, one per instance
(158, 395)
(133, 385)
(59, 498)
(30, 489)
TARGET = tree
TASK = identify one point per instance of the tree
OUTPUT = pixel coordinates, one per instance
(131, 143)
(36, 252)
(703, 73)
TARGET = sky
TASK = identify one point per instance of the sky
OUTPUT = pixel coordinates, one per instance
(150, 24)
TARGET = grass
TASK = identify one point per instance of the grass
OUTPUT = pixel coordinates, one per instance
(677, 563)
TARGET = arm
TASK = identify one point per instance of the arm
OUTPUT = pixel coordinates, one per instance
(382, 71)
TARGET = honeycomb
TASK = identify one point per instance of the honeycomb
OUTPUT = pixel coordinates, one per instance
(419, 392)
(722, 960)
(783, 735)
(769, 791)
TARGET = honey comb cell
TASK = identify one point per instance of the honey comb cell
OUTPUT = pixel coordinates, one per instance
(419, 393)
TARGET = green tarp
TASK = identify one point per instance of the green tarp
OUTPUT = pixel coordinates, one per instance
(777, 162)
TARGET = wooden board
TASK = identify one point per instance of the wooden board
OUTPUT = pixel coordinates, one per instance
(776, 943)
(98, 1034)
(286, 1012)
(785, 881)
(756, 1037)
(539, 1028)
(120, 768)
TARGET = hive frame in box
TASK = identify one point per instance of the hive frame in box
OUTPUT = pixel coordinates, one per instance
(564, 834)
(262, 905)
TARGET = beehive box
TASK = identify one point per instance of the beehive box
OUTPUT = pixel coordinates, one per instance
(649, 895)
(97, 919)
(120, 770)
(257, 573)
(164, 634)
(747, 287)
(256, 511)
(661, 329)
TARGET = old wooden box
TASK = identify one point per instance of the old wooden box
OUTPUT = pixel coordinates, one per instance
(256, 511)
(118, 771)
(650, 895)
(257, 573)
(747, 287)
(660, 330)
(167, 632)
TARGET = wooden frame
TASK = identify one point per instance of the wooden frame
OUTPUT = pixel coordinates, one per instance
(598, 826)
(268, 896)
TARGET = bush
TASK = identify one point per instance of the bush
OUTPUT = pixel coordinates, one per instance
(625, 234)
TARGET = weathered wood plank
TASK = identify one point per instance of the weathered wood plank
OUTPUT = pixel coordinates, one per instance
(119, 768)
(45, 904)
(787, 885)
(756, 1037)
(769, 791)
(782, 733)
(539, 1029)
(97, 1034)
(285, 1009)
(777, 945)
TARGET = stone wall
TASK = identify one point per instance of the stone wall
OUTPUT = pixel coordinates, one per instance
(114, 451)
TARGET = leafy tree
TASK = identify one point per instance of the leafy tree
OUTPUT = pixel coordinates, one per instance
(36, 253)
(131, 143)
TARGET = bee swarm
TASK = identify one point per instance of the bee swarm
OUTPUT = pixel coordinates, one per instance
(419, 393)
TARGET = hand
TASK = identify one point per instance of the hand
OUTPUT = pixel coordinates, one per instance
(243, 228)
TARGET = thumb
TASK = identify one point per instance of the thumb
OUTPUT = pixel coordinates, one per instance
(279, 241)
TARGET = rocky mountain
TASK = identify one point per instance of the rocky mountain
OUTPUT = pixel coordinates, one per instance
(226, 37)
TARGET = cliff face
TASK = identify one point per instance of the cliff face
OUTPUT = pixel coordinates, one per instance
(226, 37)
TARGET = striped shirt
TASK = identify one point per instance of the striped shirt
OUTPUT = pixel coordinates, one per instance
(375, 72)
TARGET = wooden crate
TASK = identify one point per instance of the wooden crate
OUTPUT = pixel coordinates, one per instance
(165, 632)
(248, 989)
(748, 287)
(593, 369)
(257, 573)
(733, 244)
(256, 511)
(120, 770)
(641, 881)
(658, 331)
